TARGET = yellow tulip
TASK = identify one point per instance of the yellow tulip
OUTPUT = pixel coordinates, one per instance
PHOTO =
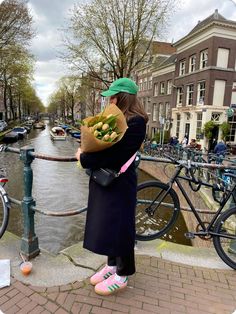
(95, 133)
(105, 127)
(113, 135)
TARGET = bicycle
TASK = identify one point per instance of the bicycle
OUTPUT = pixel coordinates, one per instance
(4, 201)
(158, 208)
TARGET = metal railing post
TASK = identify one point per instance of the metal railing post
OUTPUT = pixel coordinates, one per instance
(29, 241)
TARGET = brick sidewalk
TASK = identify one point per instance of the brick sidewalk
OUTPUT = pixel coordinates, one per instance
(157, 287)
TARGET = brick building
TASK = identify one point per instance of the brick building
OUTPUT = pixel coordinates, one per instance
(197, 83)
(144, 76)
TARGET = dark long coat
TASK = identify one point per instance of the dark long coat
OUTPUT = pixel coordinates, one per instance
(110, 222)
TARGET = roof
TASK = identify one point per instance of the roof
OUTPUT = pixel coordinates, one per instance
(168, 61)
(213, 18)
(162, 48)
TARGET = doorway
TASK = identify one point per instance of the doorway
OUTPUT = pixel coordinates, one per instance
(213, 141)
(187, 130)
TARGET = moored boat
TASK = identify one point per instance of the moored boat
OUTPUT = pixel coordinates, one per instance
(10, 137)
(75, 134)
(57, 133)
(21, 131)
(39, 125)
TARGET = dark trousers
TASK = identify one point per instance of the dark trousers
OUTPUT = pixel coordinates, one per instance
(125, 264)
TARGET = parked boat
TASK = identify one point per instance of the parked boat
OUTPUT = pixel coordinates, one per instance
(20, 131)
(10, 137)
(57, 133)
(75, 134)
(29, 123)
(28, 128)
(39, 125)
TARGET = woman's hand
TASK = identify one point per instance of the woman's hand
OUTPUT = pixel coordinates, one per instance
(78, 153)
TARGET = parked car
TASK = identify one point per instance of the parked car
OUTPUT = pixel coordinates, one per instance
(3, 125)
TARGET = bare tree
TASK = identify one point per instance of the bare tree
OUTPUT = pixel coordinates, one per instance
(15, 23)
(70, 86)
(114, 35)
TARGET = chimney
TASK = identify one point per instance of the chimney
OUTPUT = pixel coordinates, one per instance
(216, 14)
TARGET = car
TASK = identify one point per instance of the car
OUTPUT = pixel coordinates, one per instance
(3, 125)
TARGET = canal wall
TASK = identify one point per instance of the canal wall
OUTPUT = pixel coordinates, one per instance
(200, 199)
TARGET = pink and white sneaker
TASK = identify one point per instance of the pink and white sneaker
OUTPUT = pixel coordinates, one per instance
(103, 274)
(110, 286)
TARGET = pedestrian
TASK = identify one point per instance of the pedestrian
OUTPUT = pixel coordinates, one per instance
(220, 148)
(193, 143)
(110, 221)
(185, 141)
(173, 141)
(213, 145)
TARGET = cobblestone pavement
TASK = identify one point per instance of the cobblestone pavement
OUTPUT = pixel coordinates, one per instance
(159, 286)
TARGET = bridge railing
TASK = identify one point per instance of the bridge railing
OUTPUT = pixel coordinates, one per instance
(29, 241)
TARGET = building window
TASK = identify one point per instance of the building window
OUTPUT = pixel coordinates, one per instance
(232, 122)
(156, 89)
(149, 105)
(233, 96)
(190, 90)
(222, 58)
(144, 104)
(162, 88)
(150, 83)
(199, 126)
(167, 110)
(161, 112)
(155, 112)
(169, 87)
(182, 67)
(179, 96)
(219, 93)
(215, 117)
(192, 63)
(177, 125)
(145, 84)
(201, 93)
(140, 85)
(203, 59)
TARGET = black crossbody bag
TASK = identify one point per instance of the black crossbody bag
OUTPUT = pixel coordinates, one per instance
(105, 176)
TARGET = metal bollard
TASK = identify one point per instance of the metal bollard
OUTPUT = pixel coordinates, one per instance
(29, 241)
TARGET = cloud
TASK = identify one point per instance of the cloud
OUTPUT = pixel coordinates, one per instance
(46, 77)
(49, 19)
(191, 11)
(51, 16)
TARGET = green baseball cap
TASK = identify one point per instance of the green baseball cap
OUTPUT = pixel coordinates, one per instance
(122, 85)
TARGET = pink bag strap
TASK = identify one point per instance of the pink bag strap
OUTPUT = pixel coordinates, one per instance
(127, 164)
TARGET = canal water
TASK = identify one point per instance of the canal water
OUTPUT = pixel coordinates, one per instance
(57, 186)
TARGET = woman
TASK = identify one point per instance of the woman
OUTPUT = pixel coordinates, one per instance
(110, 222)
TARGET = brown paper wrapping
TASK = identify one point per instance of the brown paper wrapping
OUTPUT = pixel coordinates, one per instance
(89, 143)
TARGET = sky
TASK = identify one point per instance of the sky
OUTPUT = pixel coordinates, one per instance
(51, 16)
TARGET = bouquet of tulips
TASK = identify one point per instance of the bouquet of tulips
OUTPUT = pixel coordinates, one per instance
(103, 130)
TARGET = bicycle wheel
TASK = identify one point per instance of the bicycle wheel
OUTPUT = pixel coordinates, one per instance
(4, 211)
(156, 211)
(226, 247)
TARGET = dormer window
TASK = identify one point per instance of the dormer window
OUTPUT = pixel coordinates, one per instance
(182, 67)
(203, 59)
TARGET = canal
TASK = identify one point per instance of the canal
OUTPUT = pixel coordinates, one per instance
(57, 186)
